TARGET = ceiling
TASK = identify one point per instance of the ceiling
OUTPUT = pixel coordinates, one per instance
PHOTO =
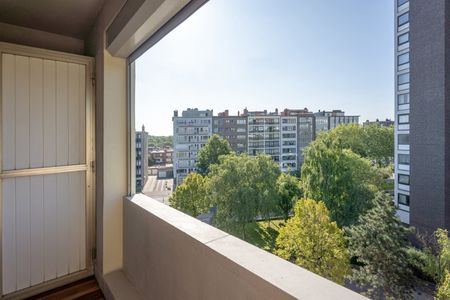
(73, 18)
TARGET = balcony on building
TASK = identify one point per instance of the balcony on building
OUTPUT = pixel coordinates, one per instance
(136, 247)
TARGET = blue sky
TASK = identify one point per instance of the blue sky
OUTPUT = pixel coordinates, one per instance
(267, 54)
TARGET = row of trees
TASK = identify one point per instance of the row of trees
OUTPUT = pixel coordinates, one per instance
(343, 216)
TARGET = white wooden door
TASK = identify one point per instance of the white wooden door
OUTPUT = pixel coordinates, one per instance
(45, 180)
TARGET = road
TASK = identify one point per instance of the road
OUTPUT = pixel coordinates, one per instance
(158, 189)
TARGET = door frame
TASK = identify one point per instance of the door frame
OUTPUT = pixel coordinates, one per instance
(89, 63)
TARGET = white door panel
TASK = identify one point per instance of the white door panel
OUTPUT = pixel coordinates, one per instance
(44, 127)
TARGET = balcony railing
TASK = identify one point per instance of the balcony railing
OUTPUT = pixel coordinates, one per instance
(170, 255)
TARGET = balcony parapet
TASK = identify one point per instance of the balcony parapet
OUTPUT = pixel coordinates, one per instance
(170, 255)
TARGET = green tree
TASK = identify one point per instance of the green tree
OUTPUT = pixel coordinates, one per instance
(434, 260)
(379, 243)
(342, 179)
(190, 196)
(289, 191)
(242, 188)
(443, 291)
(160, 141)
(372, 142)
(311, 240)
(210, 153)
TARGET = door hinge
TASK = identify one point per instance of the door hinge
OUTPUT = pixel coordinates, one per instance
(94, 253)
(93, 166)
(93, 80)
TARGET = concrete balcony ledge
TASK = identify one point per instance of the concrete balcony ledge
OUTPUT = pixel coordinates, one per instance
(170, 255)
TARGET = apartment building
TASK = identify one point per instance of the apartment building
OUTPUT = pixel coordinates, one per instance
(402, 106)
(161, 156)
(264, 133)
(141, 158)
(380, 123)
(191, 131)
(282, 135)
(304, 134)
(422, 163)
(233, 129)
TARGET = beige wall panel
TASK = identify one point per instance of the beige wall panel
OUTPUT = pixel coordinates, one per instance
(23, 231)
(22, 112)
(9, 235)
(8, 111)
(36, 113)
(50, 227)
(49, 113)
(63, 214)
(37, 229)
(62, 114)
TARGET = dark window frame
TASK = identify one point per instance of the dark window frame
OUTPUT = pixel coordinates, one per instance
(404, 163)
(402, 55)
(406, 21)
(402, 76)
(405, 176)
(402, 35)
(403, 134)
(401, 2)
(406, 202)
(400, 115)
(406, 95)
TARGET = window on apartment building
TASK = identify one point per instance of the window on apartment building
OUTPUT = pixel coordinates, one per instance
(403, 179)
(403, 159)
(403, 139)
(403, 78)
(403, 19)
(403, 119)
(403, 38)
(403, 99)
(403, 59)
(403, 199)
(401, 2)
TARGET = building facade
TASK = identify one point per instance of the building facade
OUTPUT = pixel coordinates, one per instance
(161, 156)
(191, 131)
(282, 135)
(141, 159)
(233, 129)
(422, 113)
(402, 106)
(380, 123)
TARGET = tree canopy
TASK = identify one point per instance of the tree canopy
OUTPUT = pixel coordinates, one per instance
(242, 188)
(372, 142)
(311, 240)
(211, 152)
(380, 244)
(191, 195)
(289, 191)
(342, 179)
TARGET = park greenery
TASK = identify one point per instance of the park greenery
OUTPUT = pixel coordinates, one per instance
(190, 195)
(311, 240)
(336, 218)
(289, 191)
(160, 141)
(210, 153)
(379, 242)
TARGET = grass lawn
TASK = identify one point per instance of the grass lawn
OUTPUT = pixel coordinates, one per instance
(263, 234)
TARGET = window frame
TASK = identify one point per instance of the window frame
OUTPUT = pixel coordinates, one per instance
(406, 203)
(188, 10)
(403, 63)
(400, 16)
(401, 35)
(401, 122)
(403, 175)
(401, 2)
(403, 163)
